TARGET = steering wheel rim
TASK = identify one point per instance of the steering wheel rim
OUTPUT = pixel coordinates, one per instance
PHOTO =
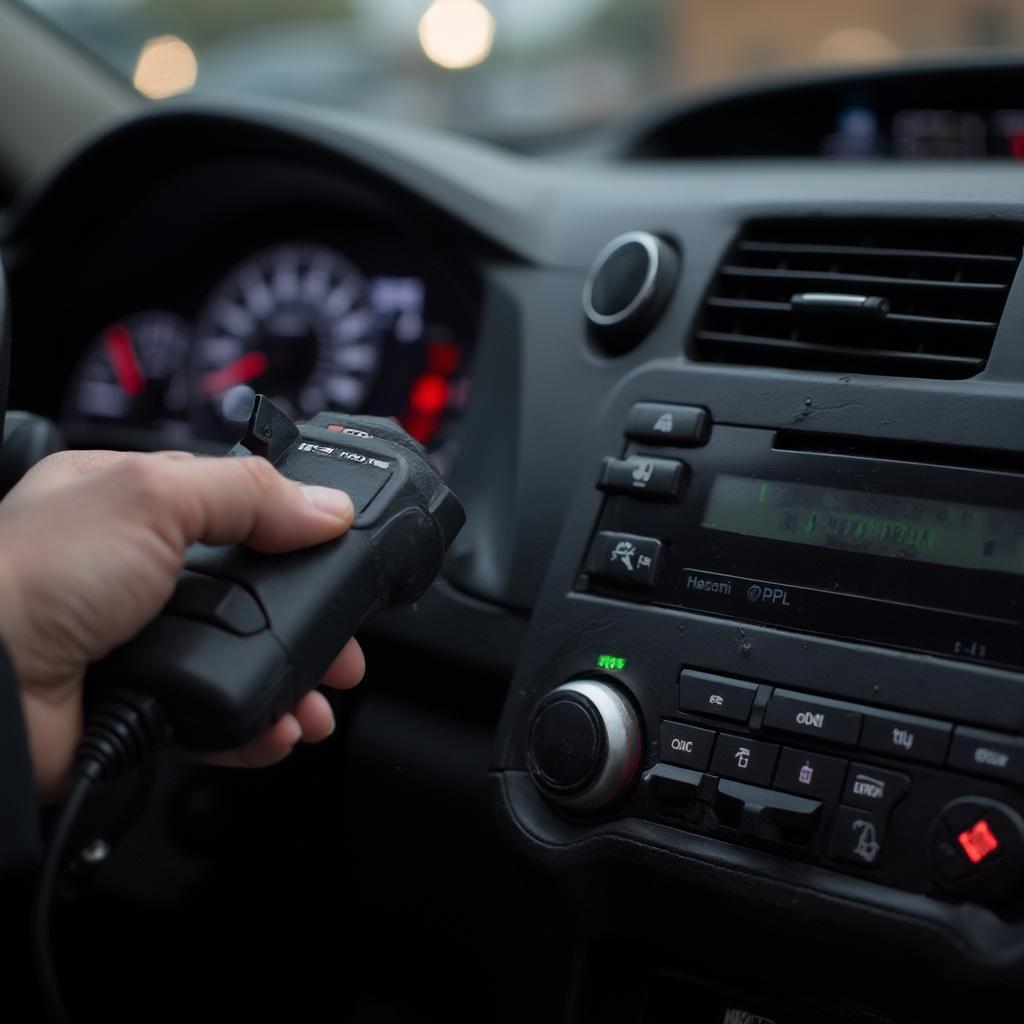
(5, 345)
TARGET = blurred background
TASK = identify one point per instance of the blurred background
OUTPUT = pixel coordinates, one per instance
(510, 70)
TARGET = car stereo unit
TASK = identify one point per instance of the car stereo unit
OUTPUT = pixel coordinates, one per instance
(898, 553)
(785, 641)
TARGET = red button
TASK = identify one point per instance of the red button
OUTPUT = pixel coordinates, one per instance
(978, 841)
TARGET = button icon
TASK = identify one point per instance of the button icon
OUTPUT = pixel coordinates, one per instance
(868, 787)
(978, 841)
(806, 776)
(624, 552)
(858, 837)
(663, 424)
(742, 757)
(643, 472)
(903, 738)
(868, 847)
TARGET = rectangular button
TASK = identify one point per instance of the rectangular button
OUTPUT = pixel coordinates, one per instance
(686, 745)
(811, 716)
(988, 753)
(738, 757)
(905, 736)
(668, 424)
(709, 694)
(857, 837)
(874, 788)
(643, 476)
(625, 559)
(807, 774)
(673, 787)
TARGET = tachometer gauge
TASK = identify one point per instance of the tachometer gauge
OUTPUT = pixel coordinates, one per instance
(293, 322)
(135, 373)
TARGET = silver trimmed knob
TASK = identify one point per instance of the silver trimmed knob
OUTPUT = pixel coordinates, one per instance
(628, 287)
(584, 745)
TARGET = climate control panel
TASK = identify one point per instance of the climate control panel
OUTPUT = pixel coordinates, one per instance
(856, 787)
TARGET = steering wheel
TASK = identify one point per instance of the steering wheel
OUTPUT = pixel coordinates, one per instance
(5, 346)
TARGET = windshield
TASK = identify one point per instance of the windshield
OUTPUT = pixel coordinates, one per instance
(507, 68)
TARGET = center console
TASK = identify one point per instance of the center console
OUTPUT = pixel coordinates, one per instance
(786, 652)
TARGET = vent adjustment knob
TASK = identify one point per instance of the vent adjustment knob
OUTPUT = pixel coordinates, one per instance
(627, 289)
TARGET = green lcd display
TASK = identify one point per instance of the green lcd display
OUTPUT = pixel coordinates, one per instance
(867, 523)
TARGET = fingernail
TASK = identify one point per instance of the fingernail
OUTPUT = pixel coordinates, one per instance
(295, 732)
(327, 499)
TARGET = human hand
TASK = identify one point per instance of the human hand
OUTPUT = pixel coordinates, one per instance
(91, 544)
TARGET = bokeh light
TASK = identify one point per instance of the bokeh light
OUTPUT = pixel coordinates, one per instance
(166, 66)
(457, 33)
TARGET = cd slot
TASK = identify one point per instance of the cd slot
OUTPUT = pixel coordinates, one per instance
(807, 442)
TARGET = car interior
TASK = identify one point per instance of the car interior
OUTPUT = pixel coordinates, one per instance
(715, 712)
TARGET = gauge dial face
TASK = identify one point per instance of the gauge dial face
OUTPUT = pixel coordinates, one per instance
(136, 373)
(293, 321)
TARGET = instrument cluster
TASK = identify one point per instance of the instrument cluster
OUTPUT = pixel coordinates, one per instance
(301, 321)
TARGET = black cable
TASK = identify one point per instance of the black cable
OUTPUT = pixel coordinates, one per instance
(122, 731)
(46, 975)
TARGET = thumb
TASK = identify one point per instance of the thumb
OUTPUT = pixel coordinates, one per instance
(230, 500)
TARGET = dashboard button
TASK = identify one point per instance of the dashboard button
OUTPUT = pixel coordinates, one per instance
(809, 716)
(765, 814)
(217, 601)
(686, 745)
(672, 788)
(874, 788)
(858, 837)
(625, 559)
(987, 753)
(668, 424)
(739, 757)
(977, 847)
(905, 736)
(806, 774)
(709, 694)
(643, 477)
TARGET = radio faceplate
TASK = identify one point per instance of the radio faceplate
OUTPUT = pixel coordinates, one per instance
(901, 785)
(903, 554)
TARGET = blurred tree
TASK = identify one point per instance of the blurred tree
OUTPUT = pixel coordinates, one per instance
(205, 21)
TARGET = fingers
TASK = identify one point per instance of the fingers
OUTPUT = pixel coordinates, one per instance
(347, 669)
(315, 716)
(226, 501)
(312, 722)
(271, 746)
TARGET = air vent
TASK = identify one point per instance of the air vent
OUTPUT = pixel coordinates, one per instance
(910, 299)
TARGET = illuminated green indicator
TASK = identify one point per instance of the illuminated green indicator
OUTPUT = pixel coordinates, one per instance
(611, 661)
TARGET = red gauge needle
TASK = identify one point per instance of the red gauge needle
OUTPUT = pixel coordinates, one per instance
(117, 343)
(246, 368)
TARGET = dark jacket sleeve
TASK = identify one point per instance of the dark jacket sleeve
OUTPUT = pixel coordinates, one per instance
(19, 845)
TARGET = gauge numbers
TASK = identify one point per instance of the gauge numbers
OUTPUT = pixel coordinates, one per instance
(293, 321)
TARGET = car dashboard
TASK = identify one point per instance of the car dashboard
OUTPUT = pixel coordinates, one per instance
(730, 648)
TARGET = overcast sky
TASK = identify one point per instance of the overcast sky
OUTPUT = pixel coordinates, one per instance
(518, 21)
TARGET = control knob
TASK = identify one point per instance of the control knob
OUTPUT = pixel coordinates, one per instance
(628, 287)
(584, 745)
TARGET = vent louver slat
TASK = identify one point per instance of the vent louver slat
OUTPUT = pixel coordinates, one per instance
(902, 298)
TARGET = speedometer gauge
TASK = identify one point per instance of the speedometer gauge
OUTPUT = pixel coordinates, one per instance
(293, 322)
(135, 374)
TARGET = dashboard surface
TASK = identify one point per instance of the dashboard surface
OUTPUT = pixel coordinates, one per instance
(203, 251)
